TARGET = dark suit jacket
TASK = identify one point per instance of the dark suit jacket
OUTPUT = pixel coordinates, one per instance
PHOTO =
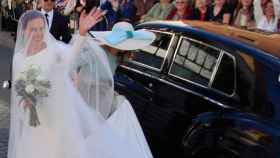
(59, 28)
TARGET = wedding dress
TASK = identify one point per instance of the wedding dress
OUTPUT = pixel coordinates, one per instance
(74, 122)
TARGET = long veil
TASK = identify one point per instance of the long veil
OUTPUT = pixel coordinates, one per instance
(81, 60)
(76, 110)
(95, 78)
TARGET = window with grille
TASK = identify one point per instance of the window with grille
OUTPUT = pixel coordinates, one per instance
(195, 61)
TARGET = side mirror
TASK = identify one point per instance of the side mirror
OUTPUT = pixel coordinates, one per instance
(6, 84)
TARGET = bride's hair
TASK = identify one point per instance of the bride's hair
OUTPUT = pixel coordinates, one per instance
(29, 16)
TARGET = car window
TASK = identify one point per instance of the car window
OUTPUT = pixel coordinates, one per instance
(153, 55)
(194, 61)
(225, 77)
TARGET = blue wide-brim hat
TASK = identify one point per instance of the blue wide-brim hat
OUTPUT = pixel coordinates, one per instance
(124, 37)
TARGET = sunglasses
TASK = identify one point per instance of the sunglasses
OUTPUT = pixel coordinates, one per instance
(49, 0)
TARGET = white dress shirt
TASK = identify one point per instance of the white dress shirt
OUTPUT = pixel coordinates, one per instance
(50, 16)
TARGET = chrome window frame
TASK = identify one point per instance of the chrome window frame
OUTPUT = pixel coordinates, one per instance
(211, 80)
(235, 74)
(166, 55)
(177, 51)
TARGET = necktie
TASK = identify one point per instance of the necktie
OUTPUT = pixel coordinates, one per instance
(46, 15)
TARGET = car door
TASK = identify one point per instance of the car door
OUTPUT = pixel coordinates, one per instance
(188, 89)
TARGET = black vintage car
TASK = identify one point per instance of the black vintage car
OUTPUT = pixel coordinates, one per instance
(206, 90)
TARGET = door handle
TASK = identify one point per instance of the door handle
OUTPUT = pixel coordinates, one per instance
(6, 84)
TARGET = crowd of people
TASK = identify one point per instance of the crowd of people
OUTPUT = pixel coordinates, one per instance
(261, 14)
(252, 14)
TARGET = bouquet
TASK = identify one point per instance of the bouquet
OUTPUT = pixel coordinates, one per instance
(31, 86)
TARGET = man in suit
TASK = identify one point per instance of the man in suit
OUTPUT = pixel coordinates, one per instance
(58, 24)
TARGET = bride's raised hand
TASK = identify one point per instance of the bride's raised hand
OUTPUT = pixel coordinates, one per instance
(87, 21)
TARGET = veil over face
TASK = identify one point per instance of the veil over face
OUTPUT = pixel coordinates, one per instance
(32, 31)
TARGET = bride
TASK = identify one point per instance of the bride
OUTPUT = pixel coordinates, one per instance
(51, 117)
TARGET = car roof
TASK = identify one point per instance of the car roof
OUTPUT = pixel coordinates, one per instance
(264, 46)
(260, 39)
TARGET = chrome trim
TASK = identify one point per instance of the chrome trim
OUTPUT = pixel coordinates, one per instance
(165, 58)
(139, 72)
(216, 68)
(197, 94)
(176, 86)
(176, 52)
(235, 74)
(144, 65)
(234, 64)
(202, 43)
(6, 84)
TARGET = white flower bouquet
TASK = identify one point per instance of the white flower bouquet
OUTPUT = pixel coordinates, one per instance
(31, 87)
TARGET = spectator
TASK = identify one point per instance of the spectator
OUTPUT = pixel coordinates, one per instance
(182, 11)
(270, 17)
(58, 24)
(207, 3)
(119, 10)
(159, 11)
(143, 6)
(220, 12)
(201, 12)
(232, 4)
(127, 11)
(112, 15)
(259, 6)
(244, 14)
